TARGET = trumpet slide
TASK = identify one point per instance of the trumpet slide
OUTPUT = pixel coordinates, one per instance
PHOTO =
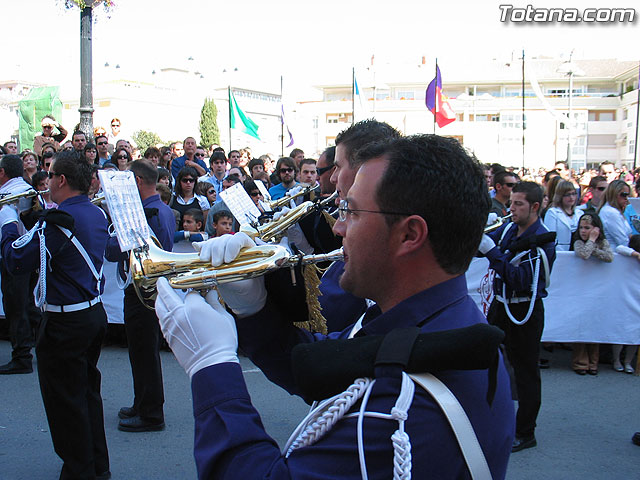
(15, 198)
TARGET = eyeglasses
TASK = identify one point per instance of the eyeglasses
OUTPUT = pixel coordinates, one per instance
(624, 194)
(102, 143)
(601, 189)
(53, 174)
(188, 180)
(343, 210)
(323, 170)
(286, 170)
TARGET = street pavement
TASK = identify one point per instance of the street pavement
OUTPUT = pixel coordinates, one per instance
(584, 427)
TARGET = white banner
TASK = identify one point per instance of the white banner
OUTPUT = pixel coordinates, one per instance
(589, 301)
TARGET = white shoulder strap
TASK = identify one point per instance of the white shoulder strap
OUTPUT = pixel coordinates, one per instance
(460, 424)
(97, 275)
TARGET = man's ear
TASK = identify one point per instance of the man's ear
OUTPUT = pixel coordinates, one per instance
(413, 233)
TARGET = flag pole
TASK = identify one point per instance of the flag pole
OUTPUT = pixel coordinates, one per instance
(435, 108)
(281, 121)
(230, 113)
(523, 114)
(353, 95)
(635, 149)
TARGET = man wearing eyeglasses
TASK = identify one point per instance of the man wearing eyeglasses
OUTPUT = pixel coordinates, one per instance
(503, 183)
(48, 134)
(189, 159)
(75, 321)
(286, 171)
(102, 145)
(403, 250)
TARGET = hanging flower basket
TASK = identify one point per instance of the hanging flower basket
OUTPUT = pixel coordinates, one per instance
(108, 4)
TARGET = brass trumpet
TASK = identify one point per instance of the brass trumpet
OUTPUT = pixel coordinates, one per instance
(281, 202)
(276, 229)
(186, 270)
(15, 198)
(497, 224)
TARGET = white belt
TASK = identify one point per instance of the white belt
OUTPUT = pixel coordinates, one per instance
(514, 299)
(71, 308)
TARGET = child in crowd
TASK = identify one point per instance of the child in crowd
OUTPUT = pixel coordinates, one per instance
(222, 223)
(40, 181)
(589, 242)
(192, 227)
(207, 190)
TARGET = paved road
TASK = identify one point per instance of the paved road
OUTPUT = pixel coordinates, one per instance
(584, 427)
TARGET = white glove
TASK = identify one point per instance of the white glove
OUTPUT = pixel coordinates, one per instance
(244, 297)
(294, 190)
(281, 213)
(486, 244)
(200, 333)
(8, 214)
(491, 218)
(223, 249)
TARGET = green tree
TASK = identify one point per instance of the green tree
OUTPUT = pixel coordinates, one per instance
(146, 139)
(209, 132)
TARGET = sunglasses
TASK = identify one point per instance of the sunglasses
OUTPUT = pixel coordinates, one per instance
(286, 170)
(101, 143)
(47, 126)
(122, 157)
(53, 174)
(601, 189)
(199, 155)
(510, 184)
(188, 180)
(211, 192)
(323, 170)
(255, 194)
(115, 124)
(624, 194)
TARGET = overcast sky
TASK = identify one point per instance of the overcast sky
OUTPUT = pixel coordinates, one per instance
(303, 40)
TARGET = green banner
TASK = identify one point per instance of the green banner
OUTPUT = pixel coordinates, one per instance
(39, 102)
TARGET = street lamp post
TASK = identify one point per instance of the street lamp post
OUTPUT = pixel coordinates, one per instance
(86, 73)
(570, 69)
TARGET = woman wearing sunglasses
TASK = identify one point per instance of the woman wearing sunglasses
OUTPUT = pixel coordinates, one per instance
(121, 158)
(186, 197)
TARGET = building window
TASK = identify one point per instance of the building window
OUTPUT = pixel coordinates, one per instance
(315, 123)
(487, 117)
(460, 117)
(511, 120)
(632, 144)
(602, 115)
(406, 95)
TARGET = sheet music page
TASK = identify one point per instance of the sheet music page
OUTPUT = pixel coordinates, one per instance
(265, 195)
(240, 204)
(125, 208)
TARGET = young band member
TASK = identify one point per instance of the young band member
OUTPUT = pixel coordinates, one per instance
(70, 338)
(403, 249)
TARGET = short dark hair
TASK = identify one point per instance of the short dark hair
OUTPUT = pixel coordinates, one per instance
(164, 192)
(360, 134)
(532, 192)
(101, 136)
(499, 177)
(496, 167)
(441, 170)
(307, 161)
(217, 155)
(197, 215)
(37, 177)
(593, 183)
(295, 152)
(79, 132)
(634, 242)
(222, 214)
(152, 151)
(249, 184)
(145, 170)
(78, 173)
(232, 178)
(12, 165)
(330, 153)
(254, 162)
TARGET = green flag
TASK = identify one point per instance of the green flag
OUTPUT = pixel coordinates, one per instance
(247, 125)
(39, 102)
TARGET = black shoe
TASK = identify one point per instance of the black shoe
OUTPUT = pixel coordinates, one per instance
(137, 424)
(522, 443)
(581, 372)
(13, 368)
(127, 412)
(636, 438)
(103, 476)
(592, 372)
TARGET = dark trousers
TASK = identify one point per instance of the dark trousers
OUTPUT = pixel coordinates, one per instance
(21, 313)
(144, 339)
(522, 345)
(68, 349)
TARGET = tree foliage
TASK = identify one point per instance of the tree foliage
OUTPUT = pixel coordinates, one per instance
(209, 132)
(146, 139)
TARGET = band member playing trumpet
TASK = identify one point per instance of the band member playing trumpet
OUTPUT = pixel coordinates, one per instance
(141, 324)
(74, 324)
(17, 297)
(403, 249)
